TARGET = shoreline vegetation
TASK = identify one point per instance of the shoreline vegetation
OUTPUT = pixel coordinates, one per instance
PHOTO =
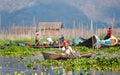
(104, 59)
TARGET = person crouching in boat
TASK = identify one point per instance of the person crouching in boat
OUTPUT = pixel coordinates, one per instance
(67, 50)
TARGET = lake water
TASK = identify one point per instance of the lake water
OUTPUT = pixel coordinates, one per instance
(17, 66)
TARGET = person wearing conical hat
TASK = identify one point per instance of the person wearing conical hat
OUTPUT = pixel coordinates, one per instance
(37, 37)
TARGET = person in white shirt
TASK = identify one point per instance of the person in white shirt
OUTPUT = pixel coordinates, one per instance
(67, 50)
(49, 40)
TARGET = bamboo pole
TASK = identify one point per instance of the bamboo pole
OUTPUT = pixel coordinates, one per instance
(34, 22)
(0, 21)
(92, 33)
(79, 30)
(0, 27)
(73, 33)
(82, 30)
(113, 20)
(91, 28)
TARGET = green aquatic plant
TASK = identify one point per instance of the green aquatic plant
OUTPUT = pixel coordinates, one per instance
(101, 64)
(2, 42)
(31, 66)
(102, 61)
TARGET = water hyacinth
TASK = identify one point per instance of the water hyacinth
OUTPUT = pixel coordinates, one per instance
(102, 60)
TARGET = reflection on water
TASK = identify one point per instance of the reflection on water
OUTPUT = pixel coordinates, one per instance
(18, 66)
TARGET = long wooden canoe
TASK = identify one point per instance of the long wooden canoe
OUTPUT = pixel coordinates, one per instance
(47, 46)
(57, 56)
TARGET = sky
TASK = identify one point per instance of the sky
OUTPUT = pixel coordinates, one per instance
(94, 9)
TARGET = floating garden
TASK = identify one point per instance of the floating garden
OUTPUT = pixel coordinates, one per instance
(104, 59)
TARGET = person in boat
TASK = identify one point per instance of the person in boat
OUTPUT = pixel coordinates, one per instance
(37, 37)
(50, 41)
(108, 35)
(61, 39)
(67, 50)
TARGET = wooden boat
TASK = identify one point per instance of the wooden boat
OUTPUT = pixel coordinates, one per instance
(95, 42)
(110, 42)
(57, 56)
(47, 46)
(88, 42)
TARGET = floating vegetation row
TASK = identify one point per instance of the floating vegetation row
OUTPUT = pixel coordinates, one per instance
(103, 59)
(99, 64)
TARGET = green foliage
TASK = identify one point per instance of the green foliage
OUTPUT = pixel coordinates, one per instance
(2, 42)
(21, 41)
(16, 51)
(99, 62)
(110, 50)
(25, 50)
(83, 49)
(108, 64)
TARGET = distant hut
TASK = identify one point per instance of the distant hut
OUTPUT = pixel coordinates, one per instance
(22, 30)
(50, 28)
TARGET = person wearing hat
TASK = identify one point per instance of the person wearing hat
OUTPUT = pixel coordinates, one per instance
(37, 37)
(67, 50)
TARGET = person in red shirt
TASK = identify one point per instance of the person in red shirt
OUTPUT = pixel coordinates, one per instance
(108, 35)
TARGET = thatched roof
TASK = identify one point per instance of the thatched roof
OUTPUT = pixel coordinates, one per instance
(50, 25)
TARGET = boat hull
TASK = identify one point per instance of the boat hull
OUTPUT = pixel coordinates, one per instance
(58, 56)
(88, 42)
